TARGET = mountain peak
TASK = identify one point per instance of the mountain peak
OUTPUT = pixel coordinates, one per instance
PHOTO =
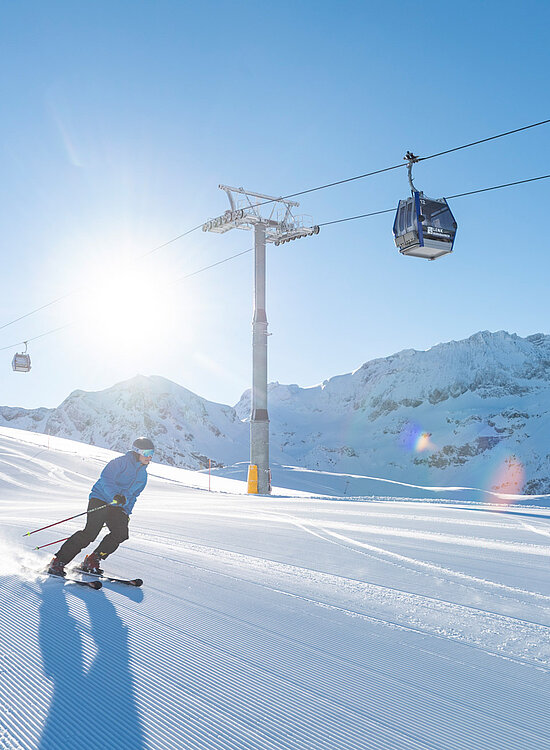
(449, 414)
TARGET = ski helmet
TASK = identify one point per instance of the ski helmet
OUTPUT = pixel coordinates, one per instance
(143, 446)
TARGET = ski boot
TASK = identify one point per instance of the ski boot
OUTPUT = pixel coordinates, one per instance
(91, 565)
(56, 568)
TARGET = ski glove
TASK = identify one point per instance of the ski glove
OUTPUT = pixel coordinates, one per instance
(119, 499)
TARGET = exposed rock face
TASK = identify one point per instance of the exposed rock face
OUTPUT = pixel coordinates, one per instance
(471, 412)
(187, 430)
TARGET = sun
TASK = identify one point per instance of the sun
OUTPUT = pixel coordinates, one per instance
(125, 308)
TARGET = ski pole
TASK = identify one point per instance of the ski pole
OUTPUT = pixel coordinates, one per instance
(50, 544)
(66, 519)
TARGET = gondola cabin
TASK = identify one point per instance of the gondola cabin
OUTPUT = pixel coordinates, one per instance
(21, 362)
(424, 227)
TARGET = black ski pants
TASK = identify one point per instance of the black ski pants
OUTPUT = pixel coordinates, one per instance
(114, 518)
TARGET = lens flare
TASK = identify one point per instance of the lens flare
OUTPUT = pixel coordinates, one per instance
(414, 438)
(508, 479)
(423, 442)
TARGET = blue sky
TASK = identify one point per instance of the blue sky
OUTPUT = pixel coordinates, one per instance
(121, 119)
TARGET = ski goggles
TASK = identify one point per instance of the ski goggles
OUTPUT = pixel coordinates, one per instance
(146, 453)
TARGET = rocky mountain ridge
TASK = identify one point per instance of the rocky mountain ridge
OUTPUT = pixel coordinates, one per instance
(473, 412)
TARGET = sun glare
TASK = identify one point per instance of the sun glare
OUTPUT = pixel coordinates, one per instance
(128, 308)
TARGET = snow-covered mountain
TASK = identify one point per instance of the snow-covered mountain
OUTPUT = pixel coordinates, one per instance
(472, 412)
(187, 429)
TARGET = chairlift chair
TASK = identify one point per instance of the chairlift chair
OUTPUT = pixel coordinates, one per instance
(423, 227)
(21, 361)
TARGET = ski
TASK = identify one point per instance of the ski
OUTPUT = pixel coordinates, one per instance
(90, 584)
(111, 579)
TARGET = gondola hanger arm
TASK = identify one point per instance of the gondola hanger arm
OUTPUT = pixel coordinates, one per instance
(411, 159)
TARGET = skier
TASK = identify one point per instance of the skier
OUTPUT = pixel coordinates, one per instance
(111, 501)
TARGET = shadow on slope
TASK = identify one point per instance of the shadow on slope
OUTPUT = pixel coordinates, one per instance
(93, 703)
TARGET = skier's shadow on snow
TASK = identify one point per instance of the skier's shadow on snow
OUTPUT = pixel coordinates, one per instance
(85, 654)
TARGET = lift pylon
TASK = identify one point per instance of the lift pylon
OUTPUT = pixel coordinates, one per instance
(275, 224)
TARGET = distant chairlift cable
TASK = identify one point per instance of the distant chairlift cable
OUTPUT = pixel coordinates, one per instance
(43, 307)
(41, 335)
(76, 291)
(324, 224)
(212, 265)
(401, 164)
(176, 281)
(448, 197)
(323, 187)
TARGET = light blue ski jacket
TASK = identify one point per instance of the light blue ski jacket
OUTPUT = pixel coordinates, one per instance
(125, 475)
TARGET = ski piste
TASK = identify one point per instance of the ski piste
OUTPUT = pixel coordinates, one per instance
(90, 584)
(106, 577)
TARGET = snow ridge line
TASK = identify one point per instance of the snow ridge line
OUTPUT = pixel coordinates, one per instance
(365, 692)
(440, 568)
(412, 561)
(455, 539)
(420, 612)
(365, 673)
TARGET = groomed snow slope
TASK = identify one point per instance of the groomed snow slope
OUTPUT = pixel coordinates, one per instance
(267, 623)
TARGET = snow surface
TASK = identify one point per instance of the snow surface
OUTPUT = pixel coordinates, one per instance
(472, 412)
(285, 622)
